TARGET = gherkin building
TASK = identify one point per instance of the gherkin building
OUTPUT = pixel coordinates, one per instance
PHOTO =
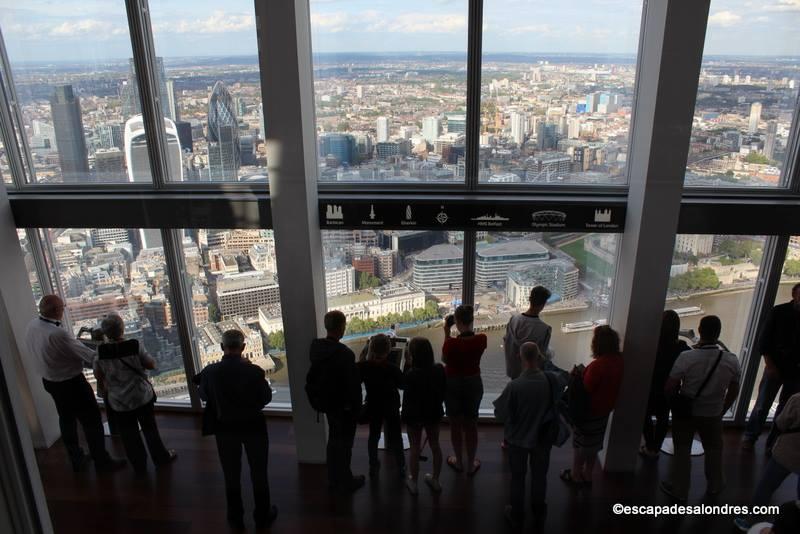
(224, 156)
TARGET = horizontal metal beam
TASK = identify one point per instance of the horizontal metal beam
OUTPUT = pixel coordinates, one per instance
(736, 216)
(142, 211)
(740, 217)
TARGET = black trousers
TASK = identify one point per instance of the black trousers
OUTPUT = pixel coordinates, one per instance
(75, 402)
(256, 445)
(654, 433)
(539, 460)
(341, 434)
(390, 422)
(128, 424)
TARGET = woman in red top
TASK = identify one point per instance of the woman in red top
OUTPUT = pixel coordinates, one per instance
(601, 380)
(462, 357)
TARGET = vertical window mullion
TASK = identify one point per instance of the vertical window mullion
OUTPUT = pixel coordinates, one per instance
(474, 44)
(173, 255)
(39, 262)
(468, 273)
(764, 296)
(144, 59)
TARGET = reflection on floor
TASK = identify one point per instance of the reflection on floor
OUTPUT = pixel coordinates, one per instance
(188, 496)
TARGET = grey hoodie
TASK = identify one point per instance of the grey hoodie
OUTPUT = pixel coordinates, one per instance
(521, 329)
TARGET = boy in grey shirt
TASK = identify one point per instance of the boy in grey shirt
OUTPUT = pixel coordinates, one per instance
(527, 327)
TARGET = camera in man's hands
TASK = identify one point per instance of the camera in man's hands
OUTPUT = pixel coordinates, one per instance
(450, 320)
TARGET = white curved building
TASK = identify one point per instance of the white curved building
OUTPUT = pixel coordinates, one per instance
(136, 151)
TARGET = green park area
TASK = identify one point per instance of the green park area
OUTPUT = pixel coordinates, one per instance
(586, 261)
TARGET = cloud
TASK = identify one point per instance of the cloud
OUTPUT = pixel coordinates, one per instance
(784, 5)
(413, 23)
(330, 22)
(725, 19)
(95, 28)
(378, 22)
(529, 28)
(218, 22)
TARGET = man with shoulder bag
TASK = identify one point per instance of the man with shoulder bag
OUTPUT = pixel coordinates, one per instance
(528, 408)
(703, 385)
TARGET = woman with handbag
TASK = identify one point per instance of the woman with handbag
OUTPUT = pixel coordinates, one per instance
(595, 389)
(120, 368)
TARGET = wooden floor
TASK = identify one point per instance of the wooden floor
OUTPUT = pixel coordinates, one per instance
(188, 496)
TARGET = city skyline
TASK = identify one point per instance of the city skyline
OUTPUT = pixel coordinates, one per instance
(38, 31)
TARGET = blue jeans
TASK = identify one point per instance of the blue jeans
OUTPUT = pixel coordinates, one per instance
(767, 391)
(773, 476)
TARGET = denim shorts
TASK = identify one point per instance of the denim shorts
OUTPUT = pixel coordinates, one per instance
(463, 396)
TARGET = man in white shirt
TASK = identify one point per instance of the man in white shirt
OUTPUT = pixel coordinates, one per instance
(714, 373)
(61, 359)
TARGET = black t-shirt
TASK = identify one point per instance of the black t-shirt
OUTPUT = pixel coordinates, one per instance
(382, 381)
(423, 394)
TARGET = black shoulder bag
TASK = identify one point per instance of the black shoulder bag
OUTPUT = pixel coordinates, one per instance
(682, 403)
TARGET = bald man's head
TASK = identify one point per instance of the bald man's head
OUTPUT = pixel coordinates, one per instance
(52, 307)
(531, 356)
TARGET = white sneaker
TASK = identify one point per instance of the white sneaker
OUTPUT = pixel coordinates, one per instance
(411, 484)
(433, 483)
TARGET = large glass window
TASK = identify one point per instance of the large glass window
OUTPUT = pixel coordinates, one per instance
(789, 277)
(233, 284)
(578, 269)
(390, 90)
(747, 95)
(209, 82)
(77, 90)
(123, 271)
(557, 91)
(393, 281)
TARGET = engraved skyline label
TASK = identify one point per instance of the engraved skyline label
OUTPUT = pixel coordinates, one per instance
(492, 218)
(334, 212)
(602, 215)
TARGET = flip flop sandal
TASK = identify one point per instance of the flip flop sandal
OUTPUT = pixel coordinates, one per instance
(566, 476)
(452, 461)
(476, 465)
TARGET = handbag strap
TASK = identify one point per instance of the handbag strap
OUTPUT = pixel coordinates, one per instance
(708, 376)
(139, 372)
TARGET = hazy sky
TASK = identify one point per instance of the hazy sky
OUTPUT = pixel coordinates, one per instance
(97, 29)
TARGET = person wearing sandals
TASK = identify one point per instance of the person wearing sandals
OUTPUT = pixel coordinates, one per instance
(424, 385)
(462, 357)
(121, 371)
(382, 379)
(709, 376)
(601, 380)
(669, 348)
(525, 407)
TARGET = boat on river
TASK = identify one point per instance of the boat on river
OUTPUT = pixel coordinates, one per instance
(582, 326)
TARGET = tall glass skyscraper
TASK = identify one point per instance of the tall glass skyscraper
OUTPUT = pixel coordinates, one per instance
(68, 124)
(224, 155)
(129, 94)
